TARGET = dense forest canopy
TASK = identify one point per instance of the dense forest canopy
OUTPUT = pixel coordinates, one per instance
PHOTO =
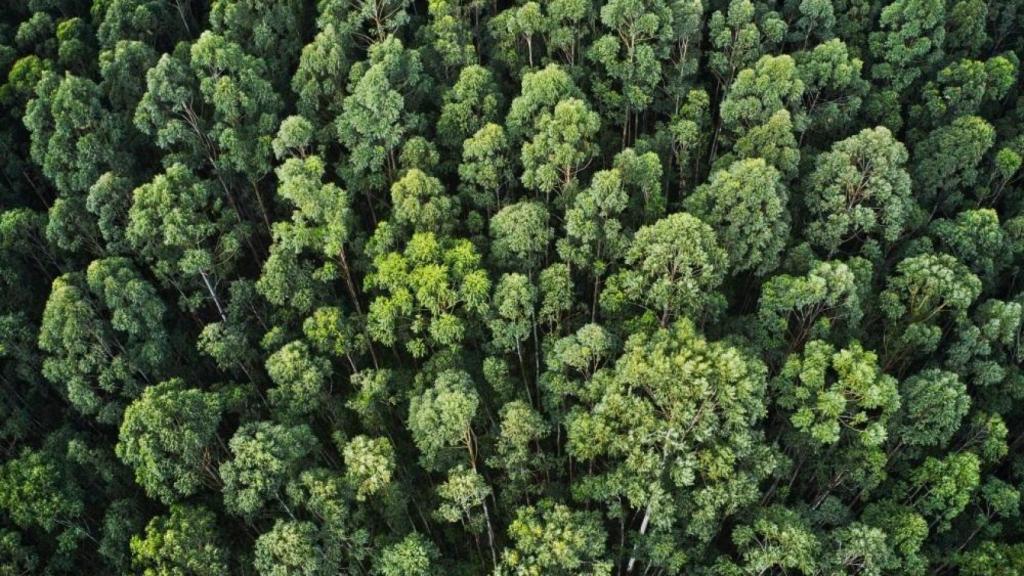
(511, 288)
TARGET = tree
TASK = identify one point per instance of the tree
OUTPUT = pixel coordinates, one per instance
(432, 294)
(540, 92)
(184, 542)
(672, 268)
(146, 21)
(413, 556)
(595, 238)
(651, 420)
(420, 203)
(514, 304)
(180, 225)
(757, 95)
(300, 379)
(859, 192)
(924, 292)
(778, 538)
(211, 104)
(264, 457)
(320, 79)
(947, 160)
(485, 173)
(840, 398)
(908, 42)
(441, 418)
(940, 489)
(167, 437)
(72, 136)
(104, 337)
(638, 34)
(934, 402)
(289, 549)
(520, 235)
(470, 104)
(369, 464)
(552, 538)
(747, 207)
(271, 32)
(521, 429)
(39, 490)
(562, 147)
(379, 113)
(821, 304)
(322, 224)
(834, 89)
(737, 40)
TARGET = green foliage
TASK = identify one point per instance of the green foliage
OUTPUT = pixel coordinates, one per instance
(369, 465)
(672, 268)
(264, 456)
(546, 287)
(300, 379)
(747, 207)
(183, 542)
(167, 436)
(551, 538)
(104, 337)
(432, 293)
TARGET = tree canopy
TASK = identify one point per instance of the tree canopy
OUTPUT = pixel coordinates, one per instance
(512, 288)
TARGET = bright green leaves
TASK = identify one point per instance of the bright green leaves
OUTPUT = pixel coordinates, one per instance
(838, 393)
(413, 556)
(777, 539)
(369, 465)
(461, 496)
(167, 438)
(940, 489)
(420, 203)
(670, 430)
(184, 542)
(432, 294)
(551, 538)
